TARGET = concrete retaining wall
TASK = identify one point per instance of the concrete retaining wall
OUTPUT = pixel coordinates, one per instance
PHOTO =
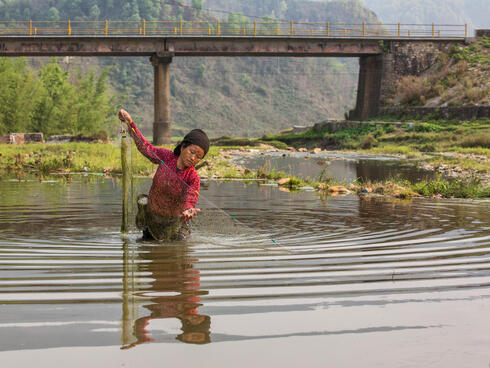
(482, 33)
(450, 113)
(21, 138)
(334, 125)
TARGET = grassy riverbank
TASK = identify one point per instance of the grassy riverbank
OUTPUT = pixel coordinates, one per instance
(105, 159)
(410, 137)
(93, 158)
(402, 189)
(452, 145)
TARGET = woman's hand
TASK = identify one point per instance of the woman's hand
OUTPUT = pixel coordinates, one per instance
(125, 117)
(190, 213)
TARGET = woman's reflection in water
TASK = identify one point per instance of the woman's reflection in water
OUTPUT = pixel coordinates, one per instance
(175, 291)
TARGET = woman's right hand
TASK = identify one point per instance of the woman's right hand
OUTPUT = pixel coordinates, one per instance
(125, 117)
(190, 213)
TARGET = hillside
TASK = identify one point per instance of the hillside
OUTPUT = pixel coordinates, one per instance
(472, 12)
(461, 77)
(239, 96)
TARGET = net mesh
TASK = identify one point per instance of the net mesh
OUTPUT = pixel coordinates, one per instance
(161, 215)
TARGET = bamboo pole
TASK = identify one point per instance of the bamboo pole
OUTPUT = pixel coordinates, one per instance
(126, 179)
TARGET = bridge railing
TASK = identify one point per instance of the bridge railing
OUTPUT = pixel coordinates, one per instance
(255, 29)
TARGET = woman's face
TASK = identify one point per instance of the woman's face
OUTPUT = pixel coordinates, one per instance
(191, 155)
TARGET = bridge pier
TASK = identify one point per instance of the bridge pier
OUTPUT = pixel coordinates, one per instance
(162, 129)
(369, 87)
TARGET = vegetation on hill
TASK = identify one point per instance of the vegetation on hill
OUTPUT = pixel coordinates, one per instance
(239, 96)
(472, 12)
(461, 77)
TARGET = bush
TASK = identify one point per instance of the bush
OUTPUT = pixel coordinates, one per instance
(427, 127)
(475, 94)
(388, 128)
(481, 141)
(429, 147)
(368, 142)
(410, 89)
(278, 144)
(459, 188)
(461, 68)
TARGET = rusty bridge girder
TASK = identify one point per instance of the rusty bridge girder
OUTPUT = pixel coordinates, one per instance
(185, 46)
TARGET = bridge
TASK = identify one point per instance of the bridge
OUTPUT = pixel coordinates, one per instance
(386, 52)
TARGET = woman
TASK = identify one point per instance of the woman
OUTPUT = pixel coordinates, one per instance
(171, 202)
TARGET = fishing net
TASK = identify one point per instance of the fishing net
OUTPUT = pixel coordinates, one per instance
(212, 223)
(162, 215)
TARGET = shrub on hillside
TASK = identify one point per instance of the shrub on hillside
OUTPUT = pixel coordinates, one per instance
(411, 89)
(427, 127)
(476, 94)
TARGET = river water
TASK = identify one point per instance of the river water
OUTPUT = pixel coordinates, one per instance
(348, 282)
(340, 166)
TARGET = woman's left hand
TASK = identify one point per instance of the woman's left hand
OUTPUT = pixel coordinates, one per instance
(190, 213)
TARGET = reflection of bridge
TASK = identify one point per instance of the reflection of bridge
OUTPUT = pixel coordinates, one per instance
(386, 52)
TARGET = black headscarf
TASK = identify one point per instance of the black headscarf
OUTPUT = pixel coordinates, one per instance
(197, 137)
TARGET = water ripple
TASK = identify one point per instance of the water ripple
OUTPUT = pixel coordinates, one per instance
(344, 250)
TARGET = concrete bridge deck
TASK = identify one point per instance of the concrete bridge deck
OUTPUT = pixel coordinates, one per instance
(199, 46)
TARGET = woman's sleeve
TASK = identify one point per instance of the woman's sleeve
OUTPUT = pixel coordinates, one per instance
(193, 192)
(154, 154)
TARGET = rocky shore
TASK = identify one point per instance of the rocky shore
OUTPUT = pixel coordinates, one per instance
(388, 187)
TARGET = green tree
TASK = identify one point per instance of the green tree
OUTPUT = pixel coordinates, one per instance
(237, 22)
(95, 12)
(52, 113)
(197, 4)
(17, 95)
(94, 109)
(53, 14)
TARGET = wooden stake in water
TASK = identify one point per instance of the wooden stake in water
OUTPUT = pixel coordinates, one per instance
(129, 309)
(126, 179)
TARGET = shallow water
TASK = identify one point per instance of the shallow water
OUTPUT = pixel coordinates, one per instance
(339, 166)
(370, 282)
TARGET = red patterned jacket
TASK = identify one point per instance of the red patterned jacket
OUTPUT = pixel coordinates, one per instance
(172, 190)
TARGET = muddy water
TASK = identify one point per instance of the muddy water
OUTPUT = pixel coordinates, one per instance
(376, 283)
(340, 166)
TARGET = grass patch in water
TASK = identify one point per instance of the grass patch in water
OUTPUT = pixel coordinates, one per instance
(227, 141)
(456, 162)
(266, 172)
(438, 187)
(458, 188)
